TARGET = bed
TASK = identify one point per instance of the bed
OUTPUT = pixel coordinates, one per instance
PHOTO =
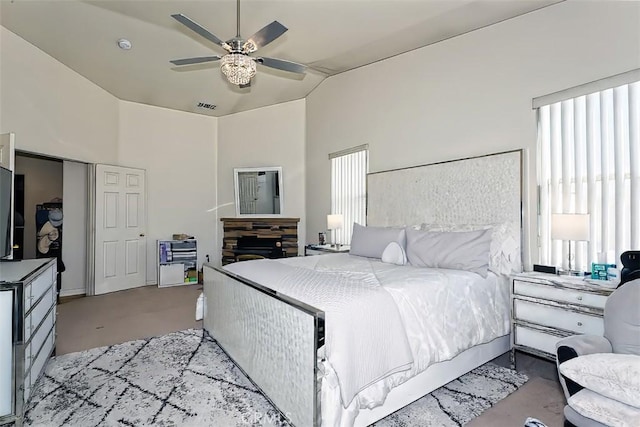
(346, 339)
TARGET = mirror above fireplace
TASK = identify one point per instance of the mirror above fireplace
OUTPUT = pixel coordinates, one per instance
(258, 191)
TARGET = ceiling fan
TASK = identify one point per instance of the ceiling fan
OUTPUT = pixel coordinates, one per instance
(237, 65)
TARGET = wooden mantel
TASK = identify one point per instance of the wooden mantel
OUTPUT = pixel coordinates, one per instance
(284, 228)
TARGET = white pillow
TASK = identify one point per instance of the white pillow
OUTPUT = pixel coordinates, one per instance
(604, 410)
(371, 241)
(504, 252)
(613, 375)
(463, 250)
(394, 254)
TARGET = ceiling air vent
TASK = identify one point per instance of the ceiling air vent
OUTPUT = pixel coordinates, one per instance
(206, 105)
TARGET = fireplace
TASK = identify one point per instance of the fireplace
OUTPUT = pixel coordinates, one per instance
(254, 237)
(253, 247)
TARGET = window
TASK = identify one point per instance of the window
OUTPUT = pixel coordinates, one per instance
(589, 162)
(349, 190)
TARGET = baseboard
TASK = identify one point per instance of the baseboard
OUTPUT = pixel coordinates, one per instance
(71, 292)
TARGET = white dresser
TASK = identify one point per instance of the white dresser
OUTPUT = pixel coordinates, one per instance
(547, 307)
(27, 330)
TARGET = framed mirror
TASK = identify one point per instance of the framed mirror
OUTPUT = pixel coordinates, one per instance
(258, 191)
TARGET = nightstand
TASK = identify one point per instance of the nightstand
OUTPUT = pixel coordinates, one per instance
(325, 249)
(547, 307)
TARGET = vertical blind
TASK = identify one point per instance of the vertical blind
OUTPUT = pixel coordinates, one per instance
(589, 162)
(349, 190)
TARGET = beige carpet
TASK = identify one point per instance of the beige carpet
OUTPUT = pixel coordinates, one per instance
(539, 398)
(90, 322)
(97, 321)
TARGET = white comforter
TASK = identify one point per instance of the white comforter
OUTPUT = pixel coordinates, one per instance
(364, 333)
(442, 312)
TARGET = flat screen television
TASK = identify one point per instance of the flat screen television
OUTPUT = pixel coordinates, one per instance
(6, 187)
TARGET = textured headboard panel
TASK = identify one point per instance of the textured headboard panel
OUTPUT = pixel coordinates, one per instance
(478, 190)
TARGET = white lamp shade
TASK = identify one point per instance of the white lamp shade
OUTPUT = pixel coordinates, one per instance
(573, 227)
(335, 221)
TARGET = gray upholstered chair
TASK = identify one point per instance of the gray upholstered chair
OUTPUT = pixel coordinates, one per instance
(610, 359)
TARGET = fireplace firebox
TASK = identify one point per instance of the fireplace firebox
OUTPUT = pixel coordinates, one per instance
(252, 247)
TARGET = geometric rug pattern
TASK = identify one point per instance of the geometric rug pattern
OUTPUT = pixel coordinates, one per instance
(185, 379)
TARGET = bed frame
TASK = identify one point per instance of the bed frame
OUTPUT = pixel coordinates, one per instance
(283, 363)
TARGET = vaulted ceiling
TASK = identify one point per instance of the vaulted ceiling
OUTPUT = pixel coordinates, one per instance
(329, 36)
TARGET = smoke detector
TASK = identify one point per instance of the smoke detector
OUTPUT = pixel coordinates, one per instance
(124, 44)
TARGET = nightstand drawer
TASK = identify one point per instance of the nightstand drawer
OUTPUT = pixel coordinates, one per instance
(557, 317)
(535, 339)
(558, 294)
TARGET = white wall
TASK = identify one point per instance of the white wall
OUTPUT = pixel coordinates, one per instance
(55, 111)
(178, 152)
(268, 136)
(74, 238)
(42, 183)
(52, 109)
(465, 96)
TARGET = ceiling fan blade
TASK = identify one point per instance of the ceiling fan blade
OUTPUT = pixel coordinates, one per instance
(189, 23)
(265, 36)
(199, 60)
(281, 64)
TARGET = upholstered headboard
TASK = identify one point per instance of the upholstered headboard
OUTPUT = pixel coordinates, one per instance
(477, 190)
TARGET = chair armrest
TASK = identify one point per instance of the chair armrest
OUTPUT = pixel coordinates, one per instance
(584, 344)
(574, 346)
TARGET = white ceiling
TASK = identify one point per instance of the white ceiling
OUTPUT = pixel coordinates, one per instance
(330, 36)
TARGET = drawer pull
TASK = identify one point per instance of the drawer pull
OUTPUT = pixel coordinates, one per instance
(579, 323)
(579, 297)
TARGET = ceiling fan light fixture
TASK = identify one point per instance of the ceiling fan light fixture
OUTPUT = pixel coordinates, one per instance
(239, 68)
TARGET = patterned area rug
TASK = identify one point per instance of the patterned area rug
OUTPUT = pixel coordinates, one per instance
(185, 379)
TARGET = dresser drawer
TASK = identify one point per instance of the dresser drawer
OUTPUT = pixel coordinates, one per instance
(34, 289)
(535, 339)
(38, 313)
(27, 391)
(39, 341)
(558, 294)
(27, 358)
(28, 328)
(41, 334)
(40, 359)
(557, 317)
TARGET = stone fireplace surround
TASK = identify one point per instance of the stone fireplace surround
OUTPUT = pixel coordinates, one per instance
(264, 227)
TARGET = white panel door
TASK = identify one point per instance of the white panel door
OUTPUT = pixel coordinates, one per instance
(120, 221)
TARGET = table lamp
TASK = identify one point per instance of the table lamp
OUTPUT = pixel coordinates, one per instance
(570, 227)
(334, 222)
